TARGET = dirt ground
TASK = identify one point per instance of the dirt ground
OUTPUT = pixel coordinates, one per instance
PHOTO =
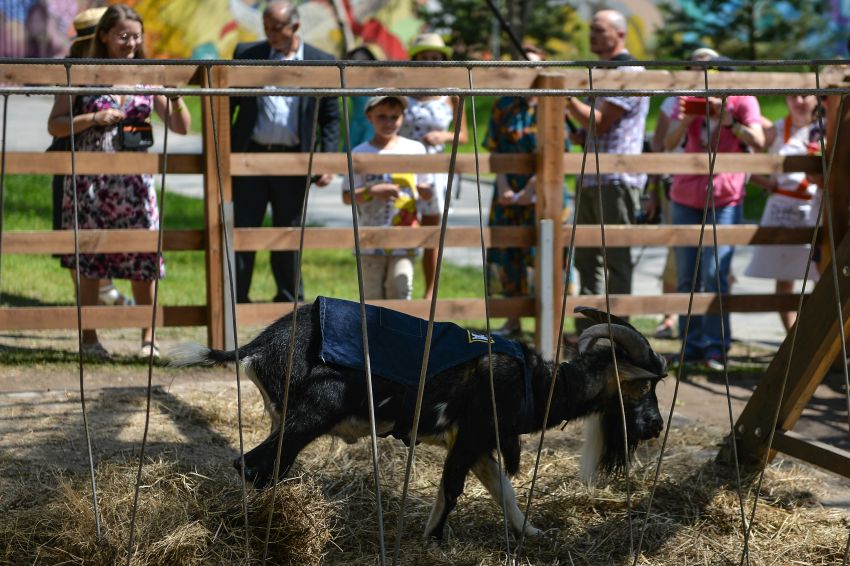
(41, 419)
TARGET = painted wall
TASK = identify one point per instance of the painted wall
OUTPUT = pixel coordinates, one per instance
(210, 29)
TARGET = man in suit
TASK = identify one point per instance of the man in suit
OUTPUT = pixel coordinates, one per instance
(277, 124)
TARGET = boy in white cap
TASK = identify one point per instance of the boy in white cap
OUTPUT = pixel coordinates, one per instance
(388, 199)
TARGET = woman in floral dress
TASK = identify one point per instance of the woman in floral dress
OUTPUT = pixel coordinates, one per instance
(114, 201)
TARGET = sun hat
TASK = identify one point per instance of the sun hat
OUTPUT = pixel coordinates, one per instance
(375, 100)
(85, 23)
(429, 42)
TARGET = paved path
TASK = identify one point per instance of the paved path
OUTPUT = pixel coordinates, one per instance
(28, 127)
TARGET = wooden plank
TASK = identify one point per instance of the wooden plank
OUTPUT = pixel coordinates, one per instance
(100, 241)
(828, 457)
(253, 164)
(693, 163)
(50, 318)
(216, 170)
(262, 314)
(677, 303)
(816, 346)
(246, 239)
(307, 76)
(549, 166)
(687, 235)
(687, 80)
(250, 164)
(100, 163)
(255, 314)
(92, 74)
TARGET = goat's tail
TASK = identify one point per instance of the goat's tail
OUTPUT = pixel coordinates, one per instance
(191, 354)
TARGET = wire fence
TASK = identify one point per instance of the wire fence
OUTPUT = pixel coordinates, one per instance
(512, 548)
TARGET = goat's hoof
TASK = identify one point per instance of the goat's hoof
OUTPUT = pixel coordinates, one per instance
(532, 531)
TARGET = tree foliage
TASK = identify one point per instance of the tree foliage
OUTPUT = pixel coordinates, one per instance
(746, 29)
(467, 25)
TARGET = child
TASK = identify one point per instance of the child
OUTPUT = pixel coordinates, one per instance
(388, 200)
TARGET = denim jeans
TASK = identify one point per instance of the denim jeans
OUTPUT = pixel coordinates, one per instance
(705, 339)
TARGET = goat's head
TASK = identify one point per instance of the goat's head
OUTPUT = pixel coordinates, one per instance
(637, 371)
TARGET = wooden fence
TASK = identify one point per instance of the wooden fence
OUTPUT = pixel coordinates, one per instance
(550, 163)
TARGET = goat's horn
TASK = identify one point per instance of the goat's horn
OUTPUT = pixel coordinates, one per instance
(632, 341)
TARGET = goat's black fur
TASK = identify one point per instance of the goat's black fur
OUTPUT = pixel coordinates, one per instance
(456, 408)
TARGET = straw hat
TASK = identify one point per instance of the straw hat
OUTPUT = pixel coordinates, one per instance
(429, 42)
(85, 23)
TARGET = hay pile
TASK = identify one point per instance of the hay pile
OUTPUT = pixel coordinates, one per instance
(191, 505)
(183, 518)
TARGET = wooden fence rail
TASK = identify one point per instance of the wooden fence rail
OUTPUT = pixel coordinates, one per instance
(550, 164)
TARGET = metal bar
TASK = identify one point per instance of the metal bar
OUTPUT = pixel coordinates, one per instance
(454, 91)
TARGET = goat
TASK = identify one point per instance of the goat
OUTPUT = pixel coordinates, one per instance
(329, 397)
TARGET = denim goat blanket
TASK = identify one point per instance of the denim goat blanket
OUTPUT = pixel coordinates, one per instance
(397, 342)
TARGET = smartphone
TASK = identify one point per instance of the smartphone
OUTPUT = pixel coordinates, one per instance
(696, 105)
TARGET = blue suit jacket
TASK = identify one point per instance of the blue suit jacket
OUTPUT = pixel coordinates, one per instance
(243, 109)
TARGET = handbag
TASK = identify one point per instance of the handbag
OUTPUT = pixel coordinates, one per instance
(135, 135)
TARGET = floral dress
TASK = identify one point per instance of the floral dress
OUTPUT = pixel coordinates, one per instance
(420, 118)
(112, 201)
(512, 129)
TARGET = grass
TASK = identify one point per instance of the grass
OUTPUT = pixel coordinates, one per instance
(29, 280)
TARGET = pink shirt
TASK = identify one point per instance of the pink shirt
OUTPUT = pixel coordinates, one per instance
(690, 190)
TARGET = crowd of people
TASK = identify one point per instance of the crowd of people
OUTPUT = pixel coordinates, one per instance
(424, 125)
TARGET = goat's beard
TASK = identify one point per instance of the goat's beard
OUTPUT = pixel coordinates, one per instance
(615, 450)
(604, 450)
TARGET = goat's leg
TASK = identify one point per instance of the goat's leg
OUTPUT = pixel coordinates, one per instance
(312, 412)
(486, 469)
(458, 463)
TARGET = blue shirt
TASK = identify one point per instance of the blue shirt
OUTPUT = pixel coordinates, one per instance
(277, 116)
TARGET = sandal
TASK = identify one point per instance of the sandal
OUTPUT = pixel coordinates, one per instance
(147, 349)
(109, 295)
(95, 351)
(664, 330)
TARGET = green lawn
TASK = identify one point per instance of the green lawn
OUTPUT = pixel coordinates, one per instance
(39, 280)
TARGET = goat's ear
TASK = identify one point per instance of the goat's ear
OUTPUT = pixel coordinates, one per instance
(631, 372)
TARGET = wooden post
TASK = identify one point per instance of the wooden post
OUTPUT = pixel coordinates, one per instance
(551, 136)
(212, 214)
(840, 177)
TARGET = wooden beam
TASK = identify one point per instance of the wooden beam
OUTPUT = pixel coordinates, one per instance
(51, 318)
(277, 239)
(100, 241)
(828, 457)
(549, 167)
(173, 74)
(307, 76)
(816, 346)
(253, 164)
(100, 163)
(261, 314)
(245, 239)
(216, 117)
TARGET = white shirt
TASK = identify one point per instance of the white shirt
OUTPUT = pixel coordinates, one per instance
(277, 116)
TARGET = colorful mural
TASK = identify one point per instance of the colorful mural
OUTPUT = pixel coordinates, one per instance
(210, 29)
